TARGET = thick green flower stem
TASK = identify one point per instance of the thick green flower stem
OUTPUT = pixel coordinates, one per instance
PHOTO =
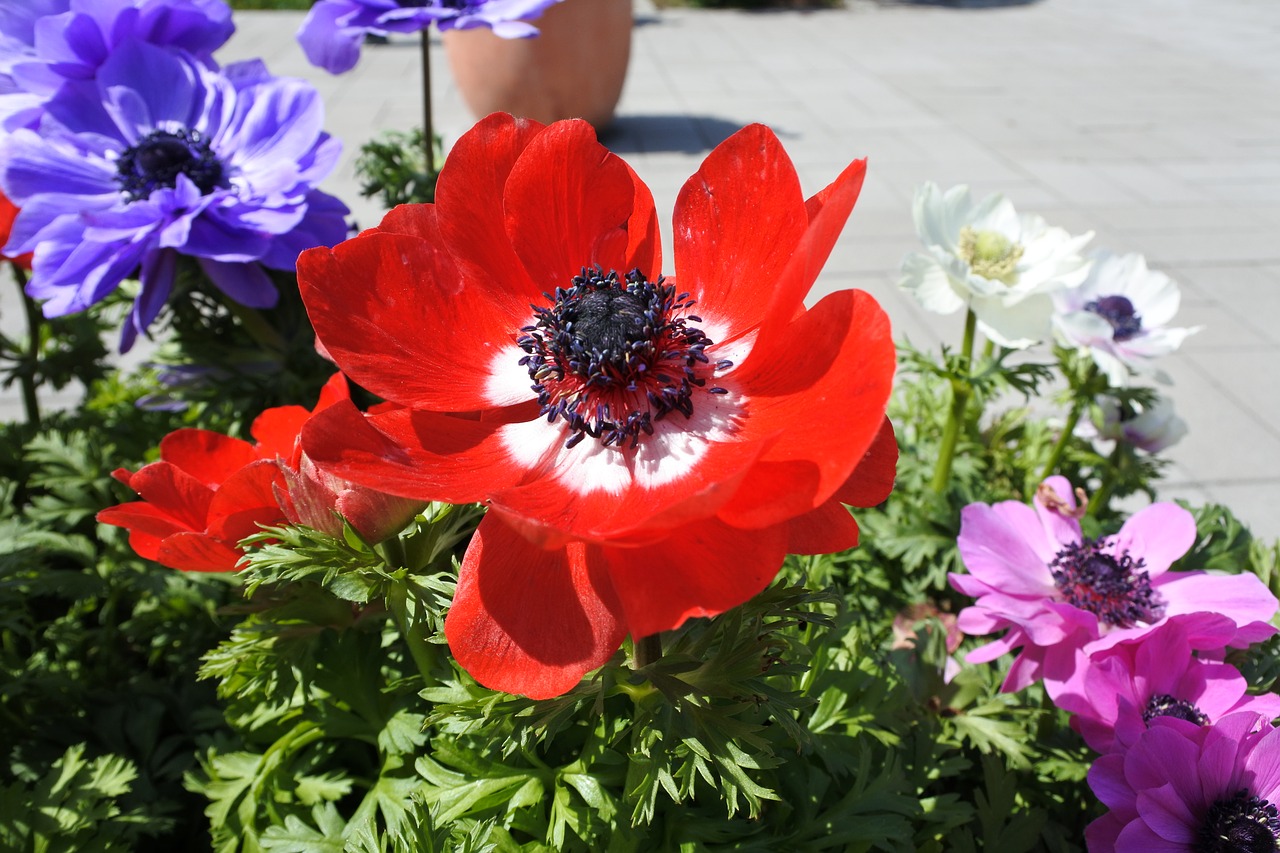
(648, 650)
(27, 374)
(1099, 500)
(423, 653)
(262, 332)
(961, 389)
(1083, 393)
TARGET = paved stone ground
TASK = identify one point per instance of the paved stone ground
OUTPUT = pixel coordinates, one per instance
(1154, 123)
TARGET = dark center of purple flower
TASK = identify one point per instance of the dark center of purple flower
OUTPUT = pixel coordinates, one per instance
(161, 156)
(1113, 588)
(1119, 312)
(613, 356)
(1164, 705)
(1241, 823)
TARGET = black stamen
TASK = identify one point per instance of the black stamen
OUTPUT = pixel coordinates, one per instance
(160, 157)
(1241, 823)
(614, 356)
(1164, 705)
(1119, 312)
(1111, 587)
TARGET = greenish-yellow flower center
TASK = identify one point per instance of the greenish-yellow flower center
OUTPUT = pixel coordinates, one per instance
(990, 254)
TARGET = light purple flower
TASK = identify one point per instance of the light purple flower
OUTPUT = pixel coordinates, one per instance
(1120, 316)
(47, 42)
(1061, 596)
(1183, 788)
(1118, 691)
(333, 30)
(159, 155)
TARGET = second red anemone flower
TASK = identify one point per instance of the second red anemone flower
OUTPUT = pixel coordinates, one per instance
(650, 447)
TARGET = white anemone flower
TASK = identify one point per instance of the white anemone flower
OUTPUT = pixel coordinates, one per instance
(1119, 316)
(1153, 430)
(986, 257)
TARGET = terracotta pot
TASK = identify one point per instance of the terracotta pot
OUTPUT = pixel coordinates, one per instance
(574, 68)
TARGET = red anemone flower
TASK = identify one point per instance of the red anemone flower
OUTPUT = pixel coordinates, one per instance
(649, 447)
(209, 491)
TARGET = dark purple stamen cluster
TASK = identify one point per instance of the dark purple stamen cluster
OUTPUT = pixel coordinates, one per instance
(1241, 823)
(611, 356)
(161, 156)
(1111, 587)
(1164, 705)
(1120, 313)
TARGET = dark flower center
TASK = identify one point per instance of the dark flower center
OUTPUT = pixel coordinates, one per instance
(611, 356)
(158, 159)
(1119, 312)
(1111, 587)
(1164, 705)
(1241, 823)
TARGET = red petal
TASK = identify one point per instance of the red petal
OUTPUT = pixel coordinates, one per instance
(415, 220)
(196, 552)
(872, 481)
(420, 455)
(702, 569)
(568, 204)
(246, 502)
(828, 211)
(527, 620)
(823, 395)
(208, 456)
(604, 494)
(737, 221)
(276, 431)
(145, 520)
(334, 390)
(469, 197)
(828, 529)
(175, 492)
(392, 312)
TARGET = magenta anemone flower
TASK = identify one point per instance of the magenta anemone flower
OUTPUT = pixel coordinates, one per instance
(333, 30)
(1120, 690)
(1061, 595)
(1184, 788)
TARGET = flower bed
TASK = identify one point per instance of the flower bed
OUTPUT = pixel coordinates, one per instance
(519, 523)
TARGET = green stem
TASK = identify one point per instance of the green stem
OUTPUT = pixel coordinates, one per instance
(1099, 500)
(252, 321)
(1083, 393)
(961, 389)
(27, 373)
(648, 650)
(423, 653)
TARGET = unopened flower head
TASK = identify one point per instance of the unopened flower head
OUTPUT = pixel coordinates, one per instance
(1152, 429)
(984, 256)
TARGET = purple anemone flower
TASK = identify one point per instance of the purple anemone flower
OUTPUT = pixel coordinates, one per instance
(333, 30)
(1120, 690)
(1064, 597)
(1184, 788)
(157, 156)
(47, 42)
